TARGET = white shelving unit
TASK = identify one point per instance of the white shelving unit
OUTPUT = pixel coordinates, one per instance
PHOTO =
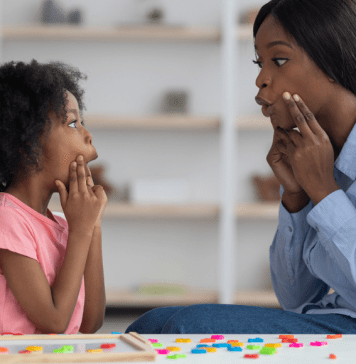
(71, 33)
(227, 124)
(228, 140)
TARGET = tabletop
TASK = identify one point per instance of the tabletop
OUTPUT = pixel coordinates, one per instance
(217, 348)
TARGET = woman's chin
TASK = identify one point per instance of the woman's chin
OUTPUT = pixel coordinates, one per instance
(281, 122)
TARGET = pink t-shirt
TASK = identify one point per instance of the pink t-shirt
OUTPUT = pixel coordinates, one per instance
(27, 232)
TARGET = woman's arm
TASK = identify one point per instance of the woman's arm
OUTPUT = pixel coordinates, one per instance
(295, 202)
(292, 280)
(333, 257)
(49, 308)
(95, 301)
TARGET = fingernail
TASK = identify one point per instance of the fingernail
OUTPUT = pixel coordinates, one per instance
(296, 98)
(286, 96)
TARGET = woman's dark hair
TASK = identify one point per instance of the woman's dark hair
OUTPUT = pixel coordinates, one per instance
(325, 29)
(27, 93)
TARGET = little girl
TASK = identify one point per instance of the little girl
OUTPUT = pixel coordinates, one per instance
(51, 271)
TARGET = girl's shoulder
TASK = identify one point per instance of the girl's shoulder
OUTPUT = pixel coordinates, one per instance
(60, 218)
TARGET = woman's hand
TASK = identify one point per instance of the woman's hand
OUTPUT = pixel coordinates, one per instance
(90, 184)
(278, 160)
(310, 152)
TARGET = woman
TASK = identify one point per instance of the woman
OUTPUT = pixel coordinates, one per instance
(305, 49)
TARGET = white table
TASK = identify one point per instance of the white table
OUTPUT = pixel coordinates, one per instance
(344, 349)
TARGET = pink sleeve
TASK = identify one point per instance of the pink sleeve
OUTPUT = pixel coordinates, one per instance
(16, 235)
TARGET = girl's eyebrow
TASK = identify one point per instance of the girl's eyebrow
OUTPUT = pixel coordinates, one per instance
(276, 42)
(74, 111)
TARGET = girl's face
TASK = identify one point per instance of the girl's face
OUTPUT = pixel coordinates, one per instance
(66, 142)
(286, 67)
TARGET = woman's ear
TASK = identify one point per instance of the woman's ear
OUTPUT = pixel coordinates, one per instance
(331, 80)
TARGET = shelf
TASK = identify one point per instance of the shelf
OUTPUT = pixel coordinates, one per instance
(245, 32)
(263, 210)
(122, 210)
(254, 122)
(258, 210)
(172, 122)
(120, 33)
(127, 298)
(152, 122)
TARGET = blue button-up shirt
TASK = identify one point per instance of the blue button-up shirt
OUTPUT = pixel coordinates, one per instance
(314, 249)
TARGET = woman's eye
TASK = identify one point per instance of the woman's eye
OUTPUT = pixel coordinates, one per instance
(258, 63)
(275, 60)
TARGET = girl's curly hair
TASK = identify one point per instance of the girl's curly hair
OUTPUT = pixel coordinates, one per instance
(27, 93)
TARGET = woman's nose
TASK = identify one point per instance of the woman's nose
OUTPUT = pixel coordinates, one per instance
(263, 79)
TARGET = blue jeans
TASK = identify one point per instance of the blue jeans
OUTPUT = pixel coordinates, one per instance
(238, 319)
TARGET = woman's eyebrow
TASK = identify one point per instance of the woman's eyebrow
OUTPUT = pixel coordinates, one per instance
(276, 42)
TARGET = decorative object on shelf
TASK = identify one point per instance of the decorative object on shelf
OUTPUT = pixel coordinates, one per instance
(162, 289)
(113, 193)
(155, 16)
(160, 192)
(151, 11)
(266, 188)
(52, 13)
(98, 178)
(175, 102)
(75, 17)
(248, 16)
(121, 194)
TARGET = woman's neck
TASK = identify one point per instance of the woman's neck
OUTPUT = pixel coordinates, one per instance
(338, 119)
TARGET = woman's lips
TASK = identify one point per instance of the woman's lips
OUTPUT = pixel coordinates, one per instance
(267, 110)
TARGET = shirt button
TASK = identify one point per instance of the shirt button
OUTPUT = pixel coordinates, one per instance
(290, 229)
(317, 229)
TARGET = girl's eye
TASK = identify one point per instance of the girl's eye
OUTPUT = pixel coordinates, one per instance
(275, 60)
(74, 121)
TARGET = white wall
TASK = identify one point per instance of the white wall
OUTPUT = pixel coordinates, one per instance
(131, 78)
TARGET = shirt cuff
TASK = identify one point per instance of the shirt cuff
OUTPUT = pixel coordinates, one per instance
(298, 219)
(331, 214)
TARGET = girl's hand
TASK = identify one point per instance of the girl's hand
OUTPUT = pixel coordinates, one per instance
(278, 160)
(310, 153)
(81, 206)
(90, 184)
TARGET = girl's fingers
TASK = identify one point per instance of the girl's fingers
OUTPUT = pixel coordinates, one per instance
(90, 181)
(73, 185)
(82, 183)
(62, 192)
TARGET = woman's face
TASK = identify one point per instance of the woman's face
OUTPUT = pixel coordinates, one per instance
(286, 68)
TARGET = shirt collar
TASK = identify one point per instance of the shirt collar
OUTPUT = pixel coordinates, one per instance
(346, 161)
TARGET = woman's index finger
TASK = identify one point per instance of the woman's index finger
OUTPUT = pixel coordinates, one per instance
(308, 115)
